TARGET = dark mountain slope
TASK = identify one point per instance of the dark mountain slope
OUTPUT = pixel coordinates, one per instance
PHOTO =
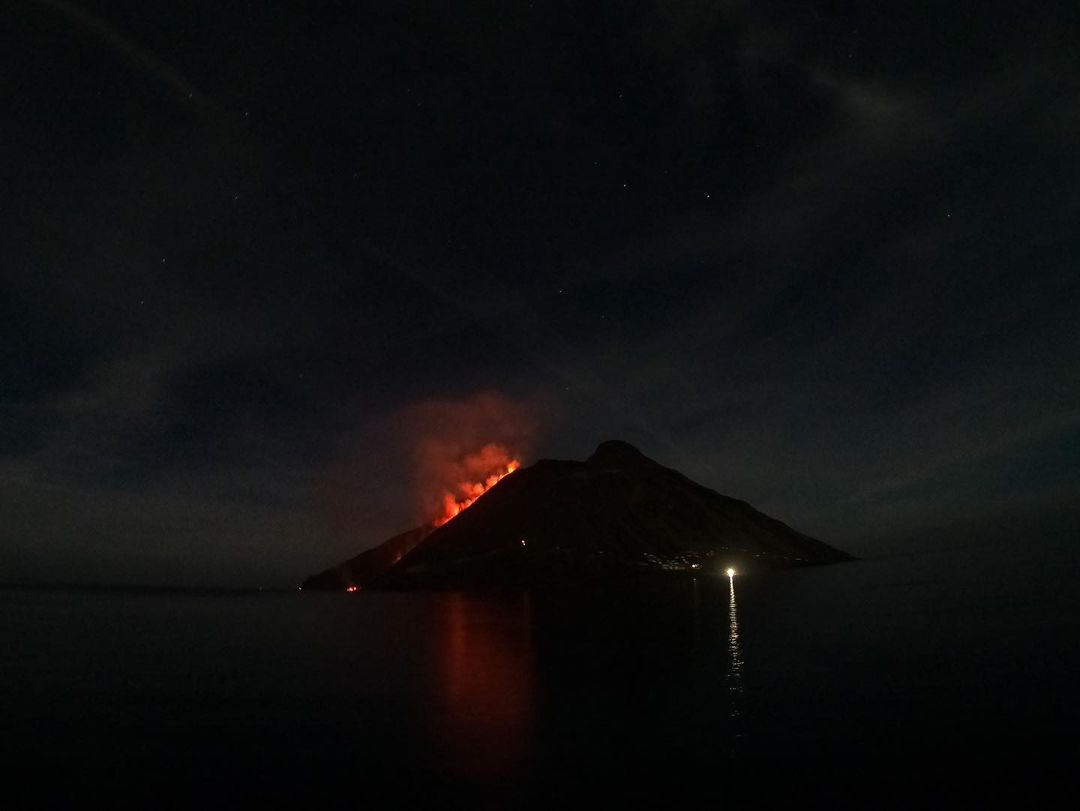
(619, 511)
(368, 565)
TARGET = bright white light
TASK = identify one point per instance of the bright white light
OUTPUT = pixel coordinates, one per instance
(730, 572)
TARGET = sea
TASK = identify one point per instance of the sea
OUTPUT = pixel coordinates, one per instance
(949, 675)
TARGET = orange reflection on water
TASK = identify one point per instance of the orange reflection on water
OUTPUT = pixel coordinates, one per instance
(486, 686)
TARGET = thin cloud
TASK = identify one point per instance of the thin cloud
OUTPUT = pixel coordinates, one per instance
(136, 54)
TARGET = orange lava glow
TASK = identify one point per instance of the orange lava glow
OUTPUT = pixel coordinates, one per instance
(468, 492)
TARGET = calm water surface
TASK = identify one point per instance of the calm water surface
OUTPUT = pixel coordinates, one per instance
(874, 682)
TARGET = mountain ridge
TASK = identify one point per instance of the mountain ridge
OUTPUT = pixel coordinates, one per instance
(557, 520)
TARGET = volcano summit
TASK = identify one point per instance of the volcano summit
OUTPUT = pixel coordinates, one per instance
(558, 521)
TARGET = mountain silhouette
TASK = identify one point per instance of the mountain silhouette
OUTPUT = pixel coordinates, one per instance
(618, 512)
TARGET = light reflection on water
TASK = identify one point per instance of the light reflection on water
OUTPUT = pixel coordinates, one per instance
(735, 661)
(406, 695)
(485, 686)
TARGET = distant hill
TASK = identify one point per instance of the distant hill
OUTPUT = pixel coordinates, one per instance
(556, 521)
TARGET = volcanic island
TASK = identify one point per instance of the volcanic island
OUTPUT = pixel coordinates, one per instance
(618, 513)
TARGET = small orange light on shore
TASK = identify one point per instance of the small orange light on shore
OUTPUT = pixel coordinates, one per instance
(730, 572)
(351, 589)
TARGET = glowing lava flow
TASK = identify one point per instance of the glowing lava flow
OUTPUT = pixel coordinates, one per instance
(468, 492)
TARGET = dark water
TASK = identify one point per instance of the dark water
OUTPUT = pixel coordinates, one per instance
(949, 675)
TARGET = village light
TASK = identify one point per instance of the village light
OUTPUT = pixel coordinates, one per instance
(730, 573)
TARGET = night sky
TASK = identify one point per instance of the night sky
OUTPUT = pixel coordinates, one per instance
(820, 256)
